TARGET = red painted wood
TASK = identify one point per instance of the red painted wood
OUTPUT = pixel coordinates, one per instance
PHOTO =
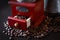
(36, 12)
(21, 23)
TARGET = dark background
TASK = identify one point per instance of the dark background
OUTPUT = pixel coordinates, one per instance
(5, 11)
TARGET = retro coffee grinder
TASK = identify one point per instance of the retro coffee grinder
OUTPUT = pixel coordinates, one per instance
(26, 16)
